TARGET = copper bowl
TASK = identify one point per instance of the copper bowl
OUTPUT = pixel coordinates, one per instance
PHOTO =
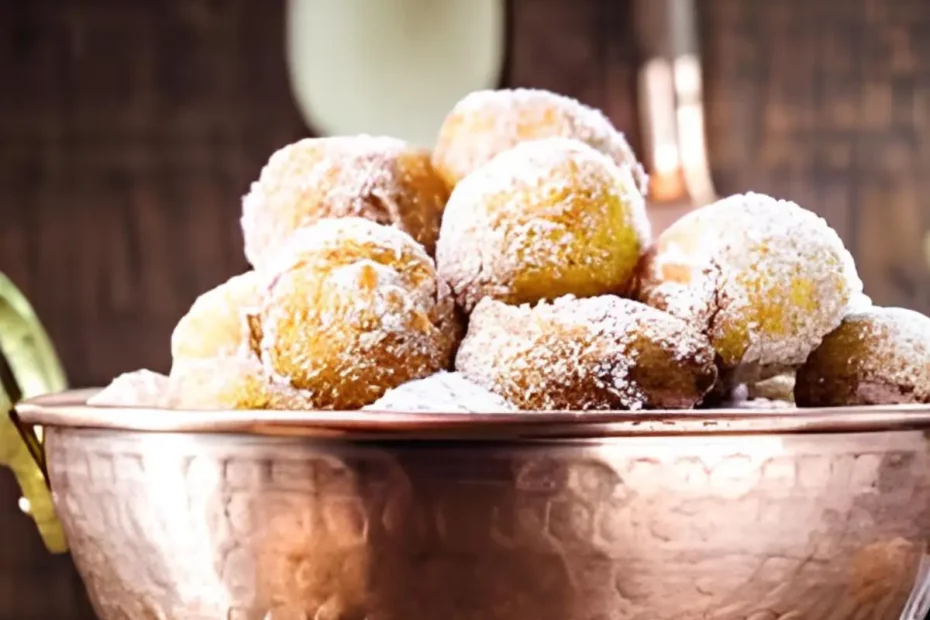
(269, 515)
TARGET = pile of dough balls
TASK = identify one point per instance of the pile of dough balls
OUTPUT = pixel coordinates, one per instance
(513, 269)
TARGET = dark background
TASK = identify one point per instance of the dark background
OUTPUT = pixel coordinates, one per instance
(130, 129)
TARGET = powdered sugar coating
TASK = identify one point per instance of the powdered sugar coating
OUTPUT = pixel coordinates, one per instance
(353, 309)
(139, 388)
(379, 178)
(234, 382)
(229, 383)
(488, 122)
(777, 388)
(763, 278)
(547, 218)
(597, 353)
(878, 356)
(217, 323)
(860, 302)
(761, 404)
(443, 392)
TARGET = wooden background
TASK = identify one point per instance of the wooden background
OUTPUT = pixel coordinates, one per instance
(130, 129)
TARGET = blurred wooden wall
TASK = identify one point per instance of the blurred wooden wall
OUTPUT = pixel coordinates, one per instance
(129, 131)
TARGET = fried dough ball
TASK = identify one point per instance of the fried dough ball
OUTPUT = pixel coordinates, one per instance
(603, 353)
(139, 388)
(879, 356)
(378, 178)
(215, 353)
(545, 219)
(217, 324)
(443, 392)
(353, 309)
(234, 382)
(488, 122)
(764, 279)
(230, 383)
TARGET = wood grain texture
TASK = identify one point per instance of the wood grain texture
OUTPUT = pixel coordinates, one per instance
(130, 130)
(128, 133)
(129, 136)
(828, 103)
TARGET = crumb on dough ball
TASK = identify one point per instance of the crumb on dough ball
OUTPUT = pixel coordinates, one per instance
(354, 309)
(764, 279)
(598, 353)
(378, 178)
(878, 356)
(139, 388)
(218, 322)
(761, 387)
(547, 218)
(443, 392)
(777, 388)
(488, 122)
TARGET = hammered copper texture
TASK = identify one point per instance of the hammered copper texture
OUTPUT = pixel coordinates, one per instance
(207, 527)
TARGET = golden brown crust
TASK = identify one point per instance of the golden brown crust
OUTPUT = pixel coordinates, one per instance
(353, 309)
(764, 279)
(544, 219)
(381, 179)
(878, 356)
(486, 123)
(599, 353)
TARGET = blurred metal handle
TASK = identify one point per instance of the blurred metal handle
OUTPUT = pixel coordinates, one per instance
(28, 367)
(671, 101)
(32, 441)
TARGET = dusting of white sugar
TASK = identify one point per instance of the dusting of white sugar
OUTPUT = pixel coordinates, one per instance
(488, 122)
(140, 388)
(354, 308)
(584, 354)
(552, 210)
(443, 392)
(763, 278)
(878, 356)
(338, 176)
(218, 322)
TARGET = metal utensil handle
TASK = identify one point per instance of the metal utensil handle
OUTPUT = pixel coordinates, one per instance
(671, 100)
(29, 367)
(666, 28)
(32, 442)
(24, 342)
(28, 363)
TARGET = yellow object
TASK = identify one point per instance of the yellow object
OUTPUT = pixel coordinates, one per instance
(35, 370)
(544, 219)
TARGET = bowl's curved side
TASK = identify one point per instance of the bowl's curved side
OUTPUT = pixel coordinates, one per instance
(175, 526)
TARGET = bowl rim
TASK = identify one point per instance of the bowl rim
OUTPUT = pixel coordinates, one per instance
(69, 409)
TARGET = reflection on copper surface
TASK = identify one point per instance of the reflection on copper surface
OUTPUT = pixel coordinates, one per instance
(671, 109)
(690, 125)
(726, 515)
